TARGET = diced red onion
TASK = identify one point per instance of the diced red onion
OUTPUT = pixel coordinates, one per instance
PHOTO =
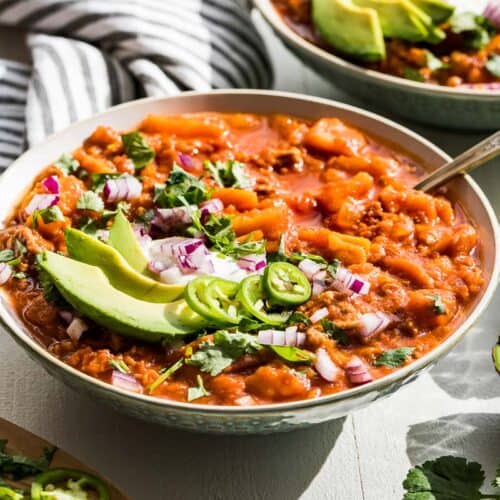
(253, 262)
(310, 268)
(171, 275)
(212, 206)
(186, 161)
(76, 328)
(196, 260)
(125, 381)
(142, 235)
(319, 315)
(372, 323)
(344, 280)
(169, 218)
(325, 366)
(357, 372)
(66, 316)
(492, 13)
(319, 283)
(124, 188)
(293, 337)
(51, 183)
(41, 201)
(5, 273)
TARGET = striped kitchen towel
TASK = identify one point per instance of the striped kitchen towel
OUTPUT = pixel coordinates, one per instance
(89, 55)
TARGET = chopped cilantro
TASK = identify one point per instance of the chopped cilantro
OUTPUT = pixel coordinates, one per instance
(394, 357)
(446, 478)
(119, 364)
(181, 188)
(293, 354)
(438, 305)
(90, 201)
(20, 247)
(197, 392)
(336, 333)
(298, 257)
(6, 255)
(19, 275)
(229, 174)
(298, 317)
(48, 215)
(475, 30)
(412, 74)
(493, 65)
(50, 291)
(214, 357)
(333, 267)
(433, 62)
(19, 466)
(165, 374)
(137, 149)
(67, 164)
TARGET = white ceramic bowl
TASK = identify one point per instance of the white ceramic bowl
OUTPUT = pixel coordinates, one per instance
(436, 105)
(268, 418)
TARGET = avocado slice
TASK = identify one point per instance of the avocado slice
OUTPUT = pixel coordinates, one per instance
(439, 10)
(121, 275)
(90, 292)
(353, 30)
(122, 238)
(400, 19)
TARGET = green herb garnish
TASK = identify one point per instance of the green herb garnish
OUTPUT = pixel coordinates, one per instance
(293, 354)
(438, 305)
(214, 357)
(412, 74)
(394, 357)
(446, 478)
(165, 374)
(90, 201)
(119, 364)
(7, 255)
(230, 173)
(48, 215)
(19, 466)
(298, 317)
(493, 65)
(433, 62)
(137, 149)
(336, 333)
(197, 392)
(67, 164)
(475, 30)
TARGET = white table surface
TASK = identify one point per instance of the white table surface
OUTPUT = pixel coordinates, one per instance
(454, 409)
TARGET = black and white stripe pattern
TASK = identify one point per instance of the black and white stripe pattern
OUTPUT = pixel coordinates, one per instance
(89, 55)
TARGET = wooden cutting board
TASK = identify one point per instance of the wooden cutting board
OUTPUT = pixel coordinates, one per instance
(22, 442)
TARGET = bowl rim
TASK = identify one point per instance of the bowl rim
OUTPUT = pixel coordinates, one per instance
(272, 16)
(10, 321)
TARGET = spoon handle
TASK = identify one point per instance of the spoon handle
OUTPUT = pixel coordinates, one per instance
(467, 161)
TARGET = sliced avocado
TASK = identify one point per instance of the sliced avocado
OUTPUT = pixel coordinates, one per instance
(123, 239)
(121, 275)
(400, 19)
(90, 292)
(353, 30)
(439, 10)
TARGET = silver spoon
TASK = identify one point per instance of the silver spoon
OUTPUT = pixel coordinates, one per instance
(462, 164)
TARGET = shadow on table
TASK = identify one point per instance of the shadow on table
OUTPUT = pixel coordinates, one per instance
(185, 466)
(467, 371)
(475, 436)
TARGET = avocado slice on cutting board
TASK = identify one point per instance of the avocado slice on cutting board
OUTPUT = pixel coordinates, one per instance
(439, 10)
(120, 274)
(122, 238)
(350, 29)
(400, 19)
(90, 292)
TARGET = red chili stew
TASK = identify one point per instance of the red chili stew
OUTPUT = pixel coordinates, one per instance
(388, 270)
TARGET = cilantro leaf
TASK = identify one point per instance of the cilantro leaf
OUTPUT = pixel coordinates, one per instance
(293, 354)
(412, 74)
(333, 267)
(298, 257)
(165, 374)
(67, 164)
(493, 65)
(48, 215)
(50, 291)
(181, 188)
(137, 149)
(394, 357)
(433, 62)
(197, 392)
(438, 307)
(336, 333)
(446, 478)
(229, 174)
(90, 201)
(214, 357)
(475, 30)
(298, 317)
(6, 255)
(19, 466)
